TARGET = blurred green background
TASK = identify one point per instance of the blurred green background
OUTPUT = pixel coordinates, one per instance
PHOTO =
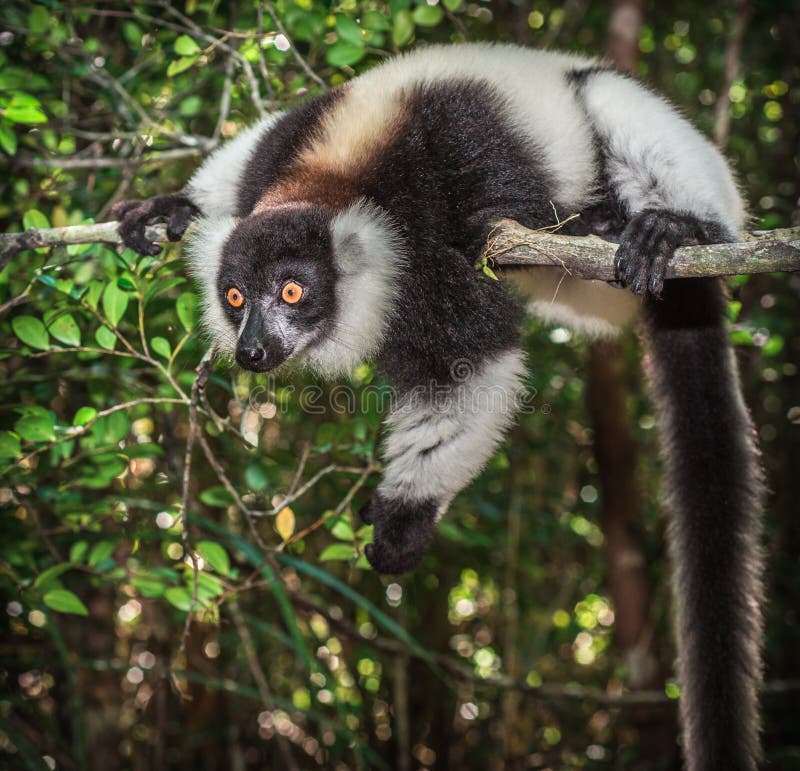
(546, 593)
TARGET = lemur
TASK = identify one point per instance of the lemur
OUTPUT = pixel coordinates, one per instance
(347, 229)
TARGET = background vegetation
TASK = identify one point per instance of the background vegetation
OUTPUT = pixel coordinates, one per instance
(199, 599)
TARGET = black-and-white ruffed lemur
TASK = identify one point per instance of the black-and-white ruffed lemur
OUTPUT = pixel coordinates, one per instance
(348, 228)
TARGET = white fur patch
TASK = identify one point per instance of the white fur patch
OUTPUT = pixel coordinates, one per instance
(203, 245)
(369, 256)
(441, 440)
(657, 159)
(591, 308)
(214, 187)
(532, 84)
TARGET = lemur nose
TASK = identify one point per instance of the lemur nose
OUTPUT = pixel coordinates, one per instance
(249, 357)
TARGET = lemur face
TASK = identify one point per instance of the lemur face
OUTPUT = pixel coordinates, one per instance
(276, 284)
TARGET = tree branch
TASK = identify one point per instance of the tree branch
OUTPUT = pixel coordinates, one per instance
(512, 245)
(591, 257)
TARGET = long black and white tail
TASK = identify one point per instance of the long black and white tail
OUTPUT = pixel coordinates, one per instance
(713, 475)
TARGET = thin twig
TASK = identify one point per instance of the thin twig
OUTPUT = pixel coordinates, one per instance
(733, 53)
(203, 370)
(297, 56)
(249, 650)
(104, 162)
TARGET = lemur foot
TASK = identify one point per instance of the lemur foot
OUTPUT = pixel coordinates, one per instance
(403, 532)
(649, 241)
(176, 210)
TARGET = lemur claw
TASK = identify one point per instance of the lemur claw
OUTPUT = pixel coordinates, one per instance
(175, 210)
(402, 534)
(647, 245)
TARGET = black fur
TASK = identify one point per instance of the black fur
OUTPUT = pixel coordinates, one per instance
(469, 168)
(715, 490)
(175, 209)
(279, 146)
(649, 241)
(454, 165)
(402, 532)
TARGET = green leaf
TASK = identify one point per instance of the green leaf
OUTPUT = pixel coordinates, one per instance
(344, 54)
(148, 586)
(185, 46)
(31, 331)
(338, 551)
(115, 302)
(65, 329)
(452, 5)
(106, 338)
(65, 601)
(159, 287)
(375, 21)
(8, 139)
(93, 293)
(38, 20)
(190, 106)
(24, 108)
(177, 66)
(78, 551)
(84, 415)
(132, 34)
(180, 597)
(402, 27)
(342, 530)
(208, 586)
(216, 496)
(49, 578)
(348, 30)
(33, 218)
(185, 306)
(112, 429)
(216, 556)
(773, 346)
(9, 445)
(36, 428)
(428, 15)
(161, 346)
(143, 450)
(255, 477)
(100, 552)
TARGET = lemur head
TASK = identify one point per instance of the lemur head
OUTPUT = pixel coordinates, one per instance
(277, 284)
(298, 282)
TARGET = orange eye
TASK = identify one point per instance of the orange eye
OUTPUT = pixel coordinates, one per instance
(291, 292)
(235, 297)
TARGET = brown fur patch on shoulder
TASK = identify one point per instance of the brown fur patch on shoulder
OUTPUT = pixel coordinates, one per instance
(351, 138)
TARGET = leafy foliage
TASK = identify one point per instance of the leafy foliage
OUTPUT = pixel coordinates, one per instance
(103, 558)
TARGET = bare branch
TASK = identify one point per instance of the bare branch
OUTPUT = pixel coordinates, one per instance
(591, 257)
(511, 244)
(733, 54)
(104, 162)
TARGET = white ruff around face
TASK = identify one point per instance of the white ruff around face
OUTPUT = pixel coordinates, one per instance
(368, 255)
(203, 244)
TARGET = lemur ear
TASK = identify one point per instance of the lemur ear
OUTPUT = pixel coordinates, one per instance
(365, 238)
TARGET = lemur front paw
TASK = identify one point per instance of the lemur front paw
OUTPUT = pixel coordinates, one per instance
(402, 534)
(648, 242)
(176, 210)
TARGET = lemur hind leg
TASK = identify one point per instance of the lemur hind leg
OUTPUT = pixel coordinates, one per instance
(175, 210)
(441, 436)
(649, 241)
